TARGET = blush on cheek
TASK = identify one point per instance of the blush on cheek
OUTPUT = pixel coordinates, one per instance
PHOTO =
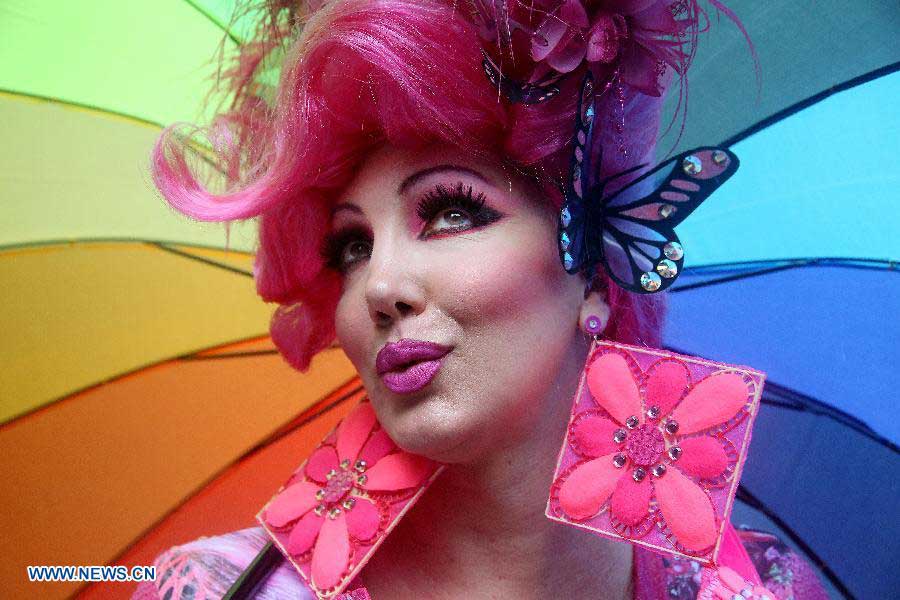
(507, 278)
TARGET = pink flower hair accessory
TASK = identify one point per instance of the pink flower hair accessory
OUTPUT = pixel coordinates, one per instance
(340, 505)
(638, 41)
(654, 449)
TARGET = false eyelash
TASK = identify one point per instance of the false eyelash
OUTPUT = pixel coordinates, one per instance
(459, 196)
(334, 243)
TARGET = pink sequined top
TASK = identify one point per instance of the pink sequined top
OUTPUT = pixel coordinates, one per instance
(206, 568)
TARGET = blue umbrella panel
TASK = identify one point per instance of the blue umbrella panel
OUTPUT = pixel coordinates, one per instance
(793, 268)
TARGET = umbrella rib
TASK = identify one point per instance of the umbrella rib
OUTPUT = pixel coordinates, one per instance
(73, 394)
(807, 102)
(201, 259)
(229, 355)
(797, 401)
(306, 417)
(737, 276)
(791, 263)
(744, 495)
(111, 240)
(212, 19)
(90, 107)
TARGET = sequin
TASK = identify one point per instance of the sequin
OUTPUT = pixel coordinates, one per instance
(564, 241)
(673, 250)
(719, 157)
(564, 217)
(667, 268)
(568, 261)
(650, 281)
(692, 165)
(665, 210)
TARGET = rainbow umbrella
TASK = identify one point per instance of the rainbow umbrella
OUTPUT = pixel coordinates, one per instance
(137, 363)
(145, 405)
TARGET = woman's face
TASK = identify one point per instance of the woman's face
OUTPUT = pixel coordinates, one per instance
(455, 308)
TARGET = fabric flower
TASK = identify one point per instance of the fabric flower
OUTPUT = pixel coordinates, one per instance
(653, 435)
(340, 498)
(639, 38)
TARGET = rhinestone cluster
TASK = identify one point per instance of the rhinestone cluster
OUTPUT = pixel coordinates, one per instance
(334, 497)
(666, 268)
(644, 445)
(565, 241)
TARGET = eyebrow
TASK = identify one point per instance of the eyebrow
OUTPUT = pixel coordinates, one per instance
(418, 176)
(412, 180)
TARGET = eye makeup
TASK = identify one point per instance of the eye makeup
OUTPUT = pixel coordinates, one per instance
(460, 198)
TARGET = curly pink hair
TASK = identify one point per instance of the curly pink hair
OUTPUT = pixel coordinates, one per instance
(362, 73)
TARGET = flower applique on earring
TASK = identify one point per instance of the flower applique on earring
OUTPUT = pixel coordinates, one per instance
(338, 507)
(654, 448)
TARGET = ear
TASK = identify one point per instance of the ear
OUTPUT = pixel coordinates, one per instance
(594, 304)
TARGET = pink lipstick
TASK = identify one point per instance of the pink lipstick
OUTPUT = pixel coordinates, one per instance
(408, 366)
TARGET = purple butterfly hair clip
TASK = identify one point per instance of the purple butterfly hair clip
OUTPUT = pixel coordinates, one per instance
(632, 237)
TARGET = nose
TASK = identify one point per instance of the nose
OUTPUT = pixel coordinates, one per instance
(393, 288)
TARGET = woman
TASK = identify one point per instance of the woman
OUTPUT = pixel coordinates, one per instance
(409, 200)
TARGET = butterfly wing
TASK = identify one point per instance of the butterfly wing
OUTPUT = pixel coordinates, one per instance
(575, 250)
(640, 249)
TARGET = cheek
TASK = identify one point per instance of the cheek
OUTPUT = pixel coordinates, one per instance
(353, 327)
(512, 273)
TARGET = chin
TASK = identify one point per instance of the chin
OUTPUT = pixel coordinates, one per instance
(429, 426)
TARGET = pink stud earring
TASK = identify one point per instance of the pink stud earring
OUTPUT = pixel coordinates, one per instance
(593, 325)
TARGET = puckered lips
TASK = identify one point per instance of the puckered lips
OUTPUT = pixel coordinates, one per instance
(409, 365)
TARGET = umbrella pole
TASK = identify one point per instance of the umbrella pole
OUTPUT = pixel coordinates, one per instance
(265, 562)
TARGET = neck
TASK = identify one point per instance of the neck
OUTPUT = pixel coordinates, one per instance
(480, 530)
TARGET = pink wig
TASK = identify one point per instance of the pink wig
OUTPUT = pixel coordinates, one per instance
(362, 73)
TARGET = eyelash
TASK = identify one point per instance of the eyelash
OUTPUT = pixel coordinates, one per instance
(432, 204)
(461, 196)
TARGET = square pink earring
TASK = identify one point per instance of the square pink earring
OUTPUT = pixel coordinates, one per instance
(654, 447)
(340, 505)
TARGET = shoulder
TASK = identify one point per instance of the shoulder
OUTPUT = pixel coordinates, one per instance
(783, 571)
(207, 567)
